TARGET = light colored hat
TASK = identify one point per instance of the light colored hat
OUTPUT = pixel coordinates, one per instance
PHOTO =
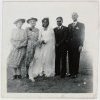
(31, 19)
(23, 20)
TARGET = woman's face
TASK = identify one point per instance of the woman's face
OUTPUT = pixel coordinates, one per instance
(19, 24)
(45, 23)
(32, 23)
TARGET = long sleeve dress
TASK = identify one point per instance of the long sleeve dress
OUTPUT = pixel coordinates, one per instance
(44, 57)
(19, 42)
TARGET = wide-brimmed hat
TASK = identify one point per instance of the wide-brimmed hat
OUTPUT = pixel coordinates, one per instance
(31, 19)
(20, 19)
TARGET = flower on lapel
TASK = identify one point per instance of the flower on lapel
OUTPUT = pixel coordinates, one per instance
(77, 28)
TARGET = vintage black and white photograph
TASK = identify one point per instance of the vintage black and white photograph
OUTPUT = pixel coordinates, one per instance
(50, 47)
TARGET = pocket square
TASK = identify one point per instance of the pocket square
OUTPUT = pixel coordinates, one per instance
(77, 28)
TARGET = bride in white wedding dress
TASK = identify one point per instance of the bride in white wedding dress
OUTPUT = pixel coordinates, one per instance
(44, 58)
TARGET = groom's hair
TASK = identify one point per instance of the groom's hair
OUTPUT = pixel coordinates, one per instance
(59, 18)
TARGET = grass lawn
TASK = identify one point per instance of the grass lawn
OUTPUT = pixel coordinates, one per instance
(82, 84)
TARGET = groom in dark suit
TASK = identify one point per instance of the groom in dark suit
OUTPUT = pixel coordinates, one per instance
(61, 33)
(76, 36)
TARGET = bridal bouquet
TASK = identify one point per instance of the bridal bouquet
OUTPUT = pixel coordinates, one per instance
(41, 43)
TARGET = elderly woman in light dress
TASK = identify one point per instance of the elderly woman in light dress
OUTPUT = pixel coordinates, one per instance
(19, 43)
(34, 47)
(32, 36)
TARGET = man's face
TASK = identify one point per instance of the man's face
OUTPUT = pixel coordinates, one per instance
(74, 16)
(45, 23)
(32, 23)
(59, 21)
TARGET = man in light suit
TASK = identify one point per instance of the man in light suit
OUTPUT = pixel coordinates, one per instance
(61, 33)
(76, 40)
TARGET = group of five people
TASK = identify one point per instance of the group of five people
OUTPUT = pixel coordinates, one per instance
(44, 51)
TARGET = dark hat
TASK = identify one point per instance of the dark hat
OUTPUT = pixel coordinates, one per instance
(31, 19)
(23, 20)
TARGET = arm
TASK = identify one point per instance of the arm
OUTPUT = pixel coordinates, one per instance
(14, 41)
(39, 42)
(56, 44)
(69, 32)
(17, 43)
(65, 37)
(82, 37)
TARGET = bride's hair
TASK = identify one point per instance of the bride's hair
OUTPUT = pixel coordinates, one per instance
(47, 19)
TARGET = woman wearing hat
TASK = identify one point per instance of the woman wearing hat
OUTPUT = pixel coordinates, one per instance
(19, 42)
(32, 34)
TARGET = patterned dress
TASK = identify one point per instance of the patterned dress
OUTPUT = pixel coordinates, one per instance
(44, 57)
(19, 42)
(32, 34)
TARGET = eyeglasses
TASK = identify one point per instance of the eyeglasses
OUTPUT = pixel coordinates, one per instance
(58, 21)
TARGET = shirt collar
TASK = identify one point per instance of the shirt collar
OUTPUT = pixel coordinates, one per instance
(75, 22)
(59, 27)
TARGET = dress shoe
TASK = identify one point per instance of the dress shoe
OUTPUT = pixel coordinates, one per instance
(74, 76)
(62, 76)
(69, 75)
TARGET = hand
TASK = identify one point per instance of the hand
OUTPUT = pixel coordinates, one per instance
(80, 48)
(57, 45)
(39, 44)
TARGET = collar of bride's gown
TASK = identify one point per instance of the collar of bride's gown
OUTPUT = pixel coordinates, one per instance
(45, 29)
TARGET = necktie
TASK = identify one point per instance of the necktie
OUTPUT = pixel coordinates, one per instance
(58, 27)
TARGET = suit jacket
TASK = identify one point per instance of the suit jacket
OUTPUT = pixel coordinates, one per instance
(76, 34)
(60, 35)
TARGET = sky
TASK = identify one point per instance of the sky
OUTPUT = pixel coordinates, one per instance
(87, 11)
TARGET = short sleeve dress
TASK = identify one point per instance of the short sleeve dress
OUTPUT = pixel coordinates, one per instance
(19, 42)
(32, 34)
